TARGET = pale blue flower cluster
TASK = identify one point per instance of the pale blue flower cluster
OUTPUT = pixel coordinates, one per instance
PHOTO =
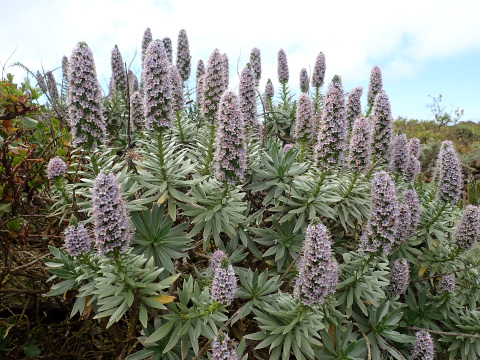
(226, 72)
(423, 348)
(183, 55)
(399, 277)
(167, 43)
(200, 78)
(177, 89)
(136, 111)
(222, 348)
(449, 174)
(147, 39)
(375, 85)
(269, 91)
(41, 82)
(468, 228)
(353, 107)
(447, 283)
(282, 68)
(382, 127)
(400, 155)
(305, 125)
(414, 167)
(256, 63)
(52, 85)
(65, 66)
(318, 75)
(224, 282)
(132, 82)
(360, 145)
(77, 241)
(248, 101)
(56, 167)
(304, 80)
(118, 70)
(213, 85)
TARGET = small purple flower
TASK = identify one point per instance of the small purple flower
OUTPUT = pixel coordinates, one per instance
(52, 85)
(136, 111)
(147, 39)
(468, 228)
(283, 74)
(224, 282)
(450, 176)
(41, 82)
(112, 230)
(375, 85)
(248, 101)
(360, 145)
(255, 62)
(317, 269)
(199, 83)
(226, 74)
(382, 127)
(353, 107)
(118, 70)
(304, 81)
(177, 89)
(77, 241)
(400, 156)
(423, 348)
(399, 276)
(269, 92)
(183, 55)
(56, 167)
(213, 86)
(167, 43)
(319, 71)
(215, 259)
(447, 283)
(305, 126)
(287, 147)
(223, 349)
(65, 66)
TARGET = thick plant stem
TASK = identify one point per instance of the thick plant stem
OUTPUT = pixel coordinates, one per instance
(316, 100)
(160, 154)
(352, 185)
(209, 157)
(284, 94)
(180, 130)
(303, 146)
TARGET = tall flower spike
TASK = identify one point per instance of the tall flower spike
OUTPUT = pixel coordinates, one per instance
(353, 107)
(226, 74)
(147, 39)
(305, 126)
(112, 232)
(468, 228)
(183, 55)
(213, 86)
(256, 63)
(304, 80)
(85, 99)
(318, 75)
(269, 91)
(283, 74)
(248, 101)
(375, 85)
(64, 66)
(224, 282)
(41, 82)
(317, 269)
(199, 83)
(215, 259)
(400, 156)
(410, 199)
(423, 348)
(157, 109)
(414, 167)
(381, 229)
(399, 276)
(231, 155)
(132, 82)
(414, 147)
(331, 139)
(403, 226)
(382, 127)
(167, 43)
(56, 167)
(447, 283)
(438, 163)
(136, 111)
(52, 85)
(222, 348)
(77, 241)
(450, 177)
(118, 70)
(177, 89)
(360, 145)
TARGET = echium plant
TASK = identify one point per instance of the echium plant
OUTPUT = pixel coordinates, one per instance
(282, 67)
(158, 109)
(318, 77)
(224, 282)
(450, 176)
(317, 270)
(305, 125)
(468, 228)
(231, 155)
(112, 230)
(331, 138)
(353, 106)
(85, 99)
(132, 82)
(177, 90)
(381, 229)
(77, 241)
(374, 86)
(226, 73)
(136, 111)
(360, 145)
(213, 86)
(403, 225)
(400, 155)
(447, 283)
(200, 78)
(423, 348)
(147, 39)
(41, 82)
(222, 348)
(399, 277)
(382, 128)
(304, 80)
(52, 85)
(118, 70)
(65, 66)
(409, 216)
(248, 101)
(167, 43)
(256, 63)
(183, 55)
(56, 168)
(414, 167)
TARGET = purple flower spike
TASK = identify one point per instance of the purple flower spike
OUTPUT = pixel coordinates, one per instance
(213, 86)
(177, 89)
(118, 70)
(132, 82)
(77, 241)
(381, 229)
(468, 228)
(283, 74)
(65, 66)
(353, 106)
(256, 63)
(331, 138)
(375, 85)
(304, 80)
(403, 226)
(167, 43)
(85, 99)
(414, 147)
(399, 276)
(360, 145)
(56, 167)
(410, 200)
(41, 82)
(199, 83)
(305, 125)
(231, 155)
(224, 282)
(447, 283)
(223, 349)
(450, 176)
(318, 76)
(248, 101)
(157, 109)
(382, 127)
(52, 85)
(215, 259)
(183, 55)
(423, 348)
(112, 231)
(147, 39)
(136, 111)
(269, 92)
(317, 269)
(226, 74)
(400, 156)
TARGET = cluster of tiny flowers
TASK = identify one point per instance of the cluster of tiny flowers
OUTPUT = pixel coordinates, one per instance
(360, 141)
(41, 82)
(224, 282)
(183, 55)
(147, 39)
(222, 349)
(305, 125)
(85, 98)
(215, 259)
(52, 85)
(382, 127)
(375, 85)
(77, 241)
(269, 91)
(226, 72)
(157, 104)
(468, 228)
(231, 155)
(317, 269)
(65, 66)
(56, 167)
(450, 177)
(167, 43)
(399, 276)
(400, 155)
(414, 147)
(318, 75)
(213, 85)
(423, 348)
(331, 138)
(381, 229)
(248, 101)
(199, 83)
(410, 199)
(282, 69)
(136, 111)
(413, 168)
(304, 81)
(118, 70)
(111, 229)
(177, 89)
(132, 82)
(111, 87)
(438, 163)
(256, 63)
(287, 147)
(447, 283)
(353, 107)
(403, 225)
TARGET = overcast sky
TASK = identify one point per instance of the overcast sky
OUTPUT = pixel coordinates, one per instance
(422, 47)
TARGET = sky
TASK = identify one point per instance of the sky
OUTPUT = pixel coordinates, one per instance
(423, 47)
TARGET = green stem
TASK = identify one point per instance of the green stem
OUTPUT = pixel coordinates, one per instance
(352, 185)
(160, 155)
(370, 107)
(180, 130)
(316, 100)
(58, 182)
(209, 157)
(302, 150)
(284, 96)
(440, 211)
